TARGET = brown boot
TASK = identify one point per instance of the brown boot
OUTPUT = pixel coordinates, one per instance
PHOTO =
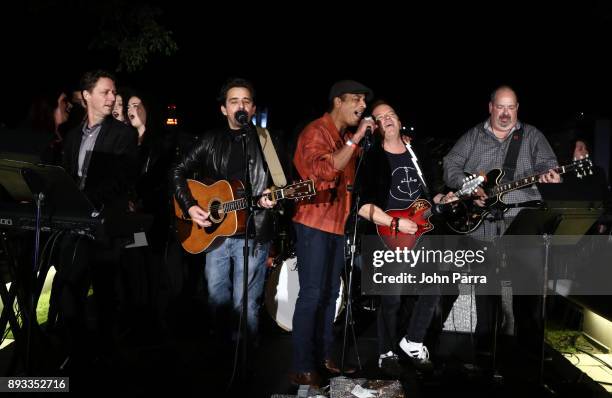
(306, 378)
(334, 369)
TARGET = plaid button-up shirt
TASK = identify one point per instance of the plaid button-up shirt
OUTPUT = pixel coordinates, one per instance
(479, 150)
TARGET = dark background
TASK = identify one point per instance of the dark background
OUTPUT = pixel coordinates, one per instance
(436, 65)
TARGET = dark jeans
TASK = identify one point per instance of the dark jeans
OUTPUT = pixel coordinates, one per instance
(420, 319)
(528, 323)
(524, 270)
(320, 261)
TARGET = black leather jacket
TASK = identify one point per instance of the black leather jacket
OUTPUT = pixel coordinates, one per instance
(209, 159)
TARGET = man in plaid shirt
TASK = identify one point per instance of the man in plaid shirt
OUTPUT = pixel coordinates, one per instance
(482, 149)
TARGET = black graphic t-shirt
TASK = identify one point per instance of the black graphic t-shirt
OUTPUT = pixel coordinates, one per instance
(405, 185)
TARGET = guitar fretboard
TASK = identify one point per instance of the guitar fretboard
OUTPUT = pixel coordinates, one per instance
(293, 191)
(240, 204)
(234, 205)
(523, 182)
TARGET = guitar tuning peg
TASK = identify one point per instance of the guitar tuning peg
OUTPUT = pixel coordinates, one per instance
(578, 175)
(591, 172)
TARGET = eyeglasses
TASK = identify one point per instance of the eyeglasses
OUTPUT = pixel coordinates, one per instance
(388, 115)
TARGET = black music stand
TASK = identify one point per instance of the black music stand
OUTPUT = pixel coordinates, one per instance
(23, 181)
(47, 192)
(559, 223)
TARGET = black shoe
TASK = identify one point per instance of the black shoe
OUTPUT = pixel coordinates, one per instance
(390, 365)
(535, 353)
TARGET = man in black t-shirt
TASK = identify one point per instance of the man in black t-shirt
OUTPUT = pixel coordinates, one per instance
(391, 181)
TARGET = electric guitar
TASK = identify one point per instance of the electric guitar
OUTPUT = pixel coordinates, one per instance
(227, 211)
(420, 212)
(472, 217)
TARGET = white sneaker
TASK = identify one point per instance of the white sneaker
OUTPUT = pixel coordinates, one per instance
(418, 354)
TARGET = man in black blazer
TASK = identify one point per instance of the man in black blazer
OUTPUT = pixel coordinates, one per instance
(99, 154)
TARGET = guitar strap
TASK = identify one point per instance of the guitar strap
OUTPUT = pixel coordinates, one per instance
(512, 155)
(415, 162)
(267, 147)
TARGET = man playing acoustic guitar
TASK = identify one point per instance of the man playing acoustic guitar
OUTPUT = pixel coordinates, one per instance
(219, 155)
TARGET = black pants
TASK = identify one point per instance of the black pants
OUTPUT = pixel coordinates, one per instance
(84, 263)
(524, 270)
(420, 318)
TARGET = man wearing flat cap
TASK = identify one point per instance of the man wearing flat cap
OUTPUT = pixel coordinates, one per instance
(325, 152)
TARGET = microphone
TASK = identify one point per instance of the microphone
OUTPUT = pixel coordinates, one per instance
(242, 117)
(367, 138)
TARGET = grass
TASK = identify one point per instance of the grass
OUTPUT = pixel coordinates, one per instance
(568, 341)
(42, 310)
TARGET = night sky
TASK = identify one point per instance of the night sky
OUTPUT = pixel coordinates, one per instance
(436, 65)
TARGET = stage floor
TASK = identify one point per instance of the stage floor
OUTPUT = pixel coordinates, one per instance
(184, 359)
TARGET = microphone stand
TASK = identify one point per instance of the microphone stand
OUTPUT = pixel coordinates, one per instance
(350, 251)
(497, 216)
(248, 195)
(36, 185)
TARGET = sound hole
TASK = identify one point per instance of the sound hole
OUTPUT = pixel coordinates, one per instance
(216, 212)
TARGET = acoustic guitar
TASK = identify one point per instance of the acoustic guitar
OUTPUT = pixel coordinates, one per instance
(227, 211)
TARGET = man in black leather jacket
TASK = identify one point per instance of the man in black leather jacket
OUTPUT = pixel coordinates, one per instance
(219, 155)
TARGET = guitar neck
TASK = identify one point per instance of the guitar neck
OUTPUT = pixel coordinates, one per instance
(523, 182)
(241, 204)
(234, 205)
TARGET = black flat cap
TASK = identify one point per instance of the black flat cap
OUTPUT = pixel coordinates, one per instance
(349, 87)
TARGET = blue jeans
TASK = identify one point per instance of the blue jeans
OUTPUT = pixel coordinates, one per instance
(320, 258)
(225, 286)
